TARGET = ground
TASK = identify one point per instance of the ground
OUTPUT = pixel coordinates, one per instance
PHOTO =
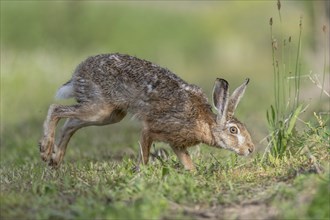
(224, 186)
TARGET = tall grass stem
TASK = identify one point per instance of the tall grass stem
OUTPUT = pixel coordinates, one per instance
(324, 29)
(298, 68)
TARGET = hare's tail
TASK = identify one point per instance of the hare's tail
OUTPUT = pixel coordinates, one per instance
(66, 91)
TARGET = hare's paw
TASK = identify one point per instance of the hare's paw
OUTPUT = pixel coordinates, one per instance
(46, 148)
(136, 169)
(56, 158)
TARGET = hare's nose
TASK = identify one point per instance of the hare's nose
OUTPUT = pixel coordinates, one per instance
(251, 148)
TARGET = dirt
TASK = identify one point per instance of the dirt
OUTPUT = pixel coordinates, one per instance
(246, 210)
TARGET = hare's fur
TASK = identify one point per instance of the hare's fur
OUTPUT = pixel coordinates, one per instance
(107, 87)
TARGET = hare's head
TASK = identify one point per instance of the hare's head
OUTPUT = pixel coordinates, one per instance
(230, 133)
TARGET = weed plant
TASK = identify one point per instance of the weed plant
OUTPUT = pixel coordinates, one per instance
(282, 116)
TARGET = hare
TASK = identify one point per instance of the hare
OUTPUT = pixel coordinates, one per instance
(108, 86)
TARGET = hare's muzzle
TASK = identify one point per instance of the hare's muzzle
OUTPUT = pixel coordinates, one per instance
(248, 149)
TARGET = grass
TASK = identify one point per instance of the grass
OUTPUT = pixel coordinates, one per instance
(110, 189)
(96, 180)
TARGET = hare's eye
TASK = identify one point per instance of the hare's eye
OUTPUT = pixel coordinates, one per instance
(233, 130)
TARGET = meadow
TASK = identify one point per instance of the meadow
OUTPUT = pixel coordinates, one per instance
(42, 43)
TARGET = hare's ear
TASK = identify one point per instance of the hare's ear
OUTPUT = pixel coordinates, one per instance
(236, 97)
(220, 99)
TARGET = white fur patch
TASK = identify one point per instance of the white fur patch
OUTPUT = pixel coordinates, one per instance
(149, 88)
(65, 92)
(241, 139)
(186, 87)
(115, 57)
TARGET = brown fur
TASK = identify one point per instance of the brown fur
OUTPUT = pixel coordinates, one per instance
(108, 86)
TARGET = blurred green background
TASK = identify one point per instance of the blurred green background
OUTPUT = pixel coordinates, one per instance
(43, 41)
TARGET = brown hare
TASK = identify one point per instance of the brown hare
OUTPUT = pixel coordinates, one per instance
(108, 86)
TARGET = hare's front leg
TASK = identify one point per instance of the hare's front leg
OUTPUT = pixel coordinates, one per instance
(145, 144)
(184, 157)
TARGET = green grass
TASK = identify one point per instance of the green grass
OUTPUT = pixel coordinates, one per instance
(96, 180)
(110, 189)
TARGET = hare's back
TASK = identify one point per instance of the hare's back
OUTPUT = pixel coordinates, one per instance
(128, 81)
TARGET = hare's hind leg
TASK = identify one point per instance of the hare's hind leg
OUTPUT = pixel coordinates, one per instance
(72, 125)
(47, 141)
(87, 114)
(184, 157)
(55, 113)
